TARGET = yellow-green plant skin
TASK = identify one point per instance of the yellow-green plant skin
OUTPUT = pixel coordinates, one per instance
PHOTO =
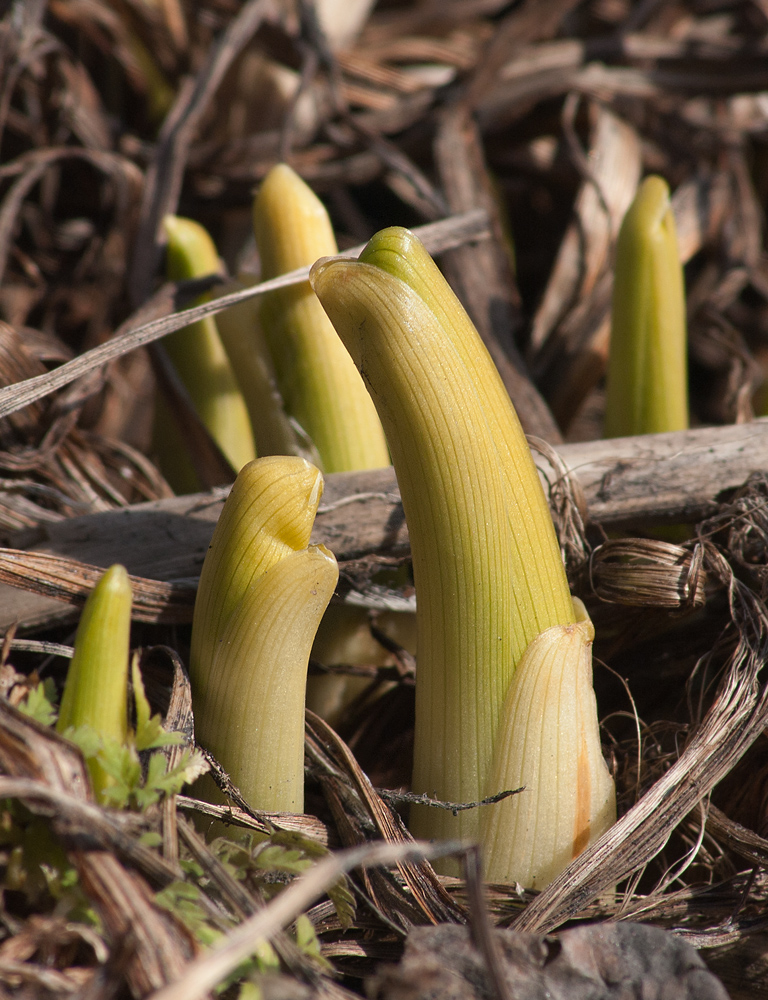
(261, 595)
(253, 718)
(197, 352)
(647, 381)
(454, 500)
(319, 384)
(541, 593)
(96, 690)
(549, 744)
(478, 520)
(268, 514)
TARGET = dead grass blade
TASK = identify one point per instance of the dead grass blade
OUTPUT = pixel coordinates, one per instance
(664, 478)
(746, 843)
(32, 166)
(611, 174)
(646, 572)
(428, 893)
(578, 292)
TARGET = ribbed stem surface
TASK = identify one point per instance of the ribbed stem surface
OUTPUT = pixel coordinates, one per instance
(454, 501)
(541, 594)
(261, 595)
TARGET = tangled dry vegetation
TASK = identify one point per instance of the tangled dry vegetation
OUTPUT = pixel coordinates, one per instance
(535, 119)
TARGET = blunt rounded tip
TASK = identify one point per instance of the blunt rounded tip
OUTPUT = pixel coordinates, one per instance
(393, 239)
(651, 204)
(116, 579)
(290, 223)
(191, 253)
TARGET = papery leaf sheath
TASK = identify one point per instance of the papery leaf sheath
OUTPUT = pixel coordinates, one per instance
(549, 744)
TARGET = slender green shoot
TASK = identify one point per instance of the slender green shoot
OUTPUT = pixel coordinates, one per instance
(647, 381)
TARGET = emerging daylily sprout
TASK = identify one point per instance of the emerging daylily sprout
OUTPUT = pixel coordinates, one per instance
(487, 567)
(96, 689)
(318, 382)
(647, 382)
(201, 362)
(262, 592)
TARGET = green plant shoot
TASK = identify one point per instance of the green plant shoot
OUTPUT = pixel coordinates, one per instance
(647, 381)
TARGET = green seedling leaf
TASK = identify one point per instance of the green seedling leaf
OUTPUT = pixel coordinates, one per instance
(308, 942)
(182, 900)
(266, 957)
(298, 842)
(339, 893)
(151, 839)
(37, 867)
(149, 728)
(275, 858)
(123, 766)
(343, 901)
(264, 860)
(161, 782)
(87, 738)
(191, 867)
(39, 703)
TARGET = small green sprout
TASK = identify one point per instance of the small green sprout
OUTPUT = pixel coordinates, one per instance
(647, 382)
